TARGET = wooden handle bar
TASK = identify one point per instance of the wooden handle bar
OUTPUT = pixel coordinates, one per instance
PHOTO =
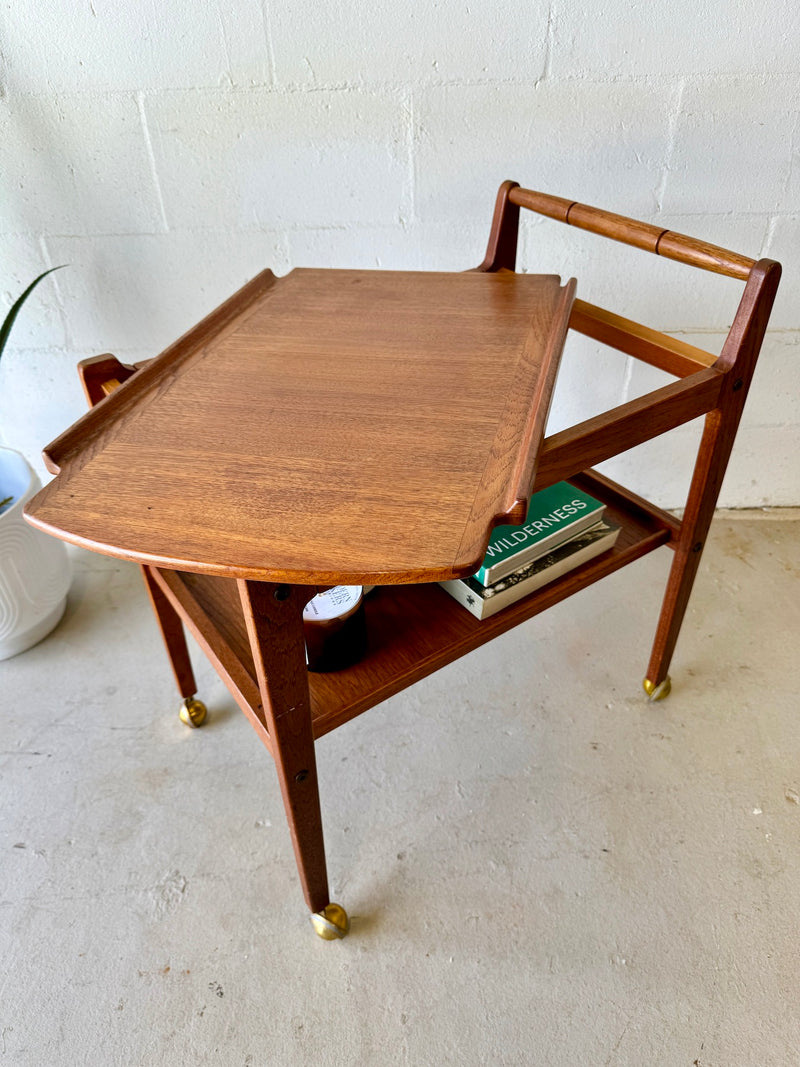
(640, 234)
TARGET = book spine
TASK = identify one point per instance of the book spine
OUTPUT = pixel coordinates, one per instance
(493, 604)
(464, 595)
(483, 602)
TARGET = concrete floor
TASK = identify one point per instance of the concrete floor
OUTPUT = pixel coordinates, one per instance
(541, 868)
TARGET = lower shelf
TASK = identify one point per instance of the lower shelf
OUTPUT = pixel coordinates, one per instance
(413, 629)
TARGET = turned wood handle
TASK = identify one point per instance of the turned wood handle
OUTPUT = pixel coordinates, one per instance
(640, 234)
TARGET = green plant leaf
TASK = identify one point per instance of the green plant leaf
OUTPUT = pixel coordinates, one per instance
(8, 322)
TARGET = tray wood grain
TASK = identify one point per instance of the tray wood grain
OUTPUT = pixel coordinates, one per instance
(331, 426)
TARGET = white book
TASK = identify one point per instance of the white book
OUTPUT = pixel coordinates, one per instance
(486, 600)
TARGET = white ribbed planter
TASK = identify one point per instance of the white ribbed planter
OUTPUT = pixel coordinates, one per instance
(34, 568)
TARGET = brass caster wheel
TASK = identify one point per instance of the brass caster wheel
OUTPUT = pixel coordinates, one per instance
(657, 692)
(331, 923)
(193, 712)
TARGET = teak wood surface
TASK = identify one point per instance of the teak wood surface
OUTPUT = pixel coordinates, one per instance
(331, 426)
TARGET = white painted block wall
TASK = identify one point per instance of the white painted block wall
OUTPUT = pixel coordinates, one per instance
(169, 151)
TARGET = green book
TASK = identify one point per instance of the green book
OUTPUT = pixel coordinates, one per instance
(554, 515)
(484, 601)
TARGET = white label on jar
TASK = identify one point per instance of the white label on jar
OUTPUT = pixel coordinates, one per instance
(333, 603)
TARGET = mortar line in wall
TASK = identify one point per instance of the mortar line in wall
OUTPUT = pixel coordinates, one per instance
(48, 259)
(774, 217)
(548, 47)
(266, 23)
(693, 331)
(627, 379)
(343, 87)
(769, 235)
(228, 57)
(672, 125)
(44, 350)
(787, 185)
(732, 214)
(275, 231)
(100, 234)
(412, 162)
(152, 158)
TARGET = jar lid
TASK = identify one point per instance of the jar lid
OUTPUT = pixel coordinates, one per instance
(336, 603)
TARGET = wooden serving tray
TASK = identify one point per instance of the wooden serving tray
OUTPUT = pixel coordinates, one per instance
(329, 426)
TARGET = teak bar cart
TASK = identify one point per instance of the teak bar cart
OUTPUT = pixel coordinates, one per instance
(350, 427)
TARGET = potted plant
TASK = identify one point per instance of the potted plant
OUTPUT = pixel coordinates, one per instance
(34, 568)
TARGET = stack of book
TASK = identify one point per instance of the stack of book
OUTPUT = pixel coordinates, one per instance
(564, 528)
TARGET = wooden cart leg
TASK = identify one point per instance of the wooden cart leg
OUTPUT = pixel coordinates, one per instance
(711, 462)
(274, 618)
(737, 360)
(192, 711)
(100, 376)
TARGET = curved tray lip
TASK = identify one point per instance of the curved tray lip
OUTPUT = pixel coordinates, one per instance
(285, 576)
(77, 443)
